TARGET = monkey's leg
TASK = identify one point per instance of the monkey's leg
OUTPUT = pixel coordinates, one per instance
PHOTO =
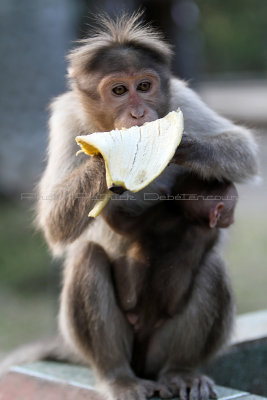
(94, 326)
(194, 334)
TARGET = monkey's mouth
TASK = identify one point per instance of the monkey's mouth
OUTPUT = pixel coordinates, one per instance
(136, 156)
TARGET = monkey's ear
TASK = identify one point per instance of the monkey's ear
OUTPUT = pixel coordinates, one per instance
(215, 214)
(70, 72)
(71, 78)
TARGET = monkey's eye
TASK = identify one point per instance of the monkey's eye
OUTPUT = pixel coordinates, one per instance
(119, 90)
(144, 86)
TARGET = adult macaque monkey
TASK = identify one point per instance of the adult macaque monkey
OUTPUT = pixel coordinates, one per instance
(121, 77)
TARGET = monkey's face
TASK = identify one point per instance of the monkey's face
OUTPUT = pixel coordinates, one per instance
(130, 98)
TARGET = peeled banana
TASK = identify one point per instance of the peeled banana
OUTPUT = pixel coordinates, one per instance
(134, 157)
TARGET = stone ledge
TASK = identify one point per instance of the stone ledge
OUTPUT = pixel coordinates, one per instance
(49, 380)
(18, 386)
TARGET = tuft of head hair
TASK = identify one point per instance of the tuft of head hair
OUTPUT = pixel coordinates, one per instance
(122, 31)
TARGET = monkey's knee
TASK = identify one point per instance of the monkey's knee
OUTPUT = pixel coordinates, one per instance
(89, 257)
(87, 273)
(89, 315)
(87, 286)
(221, 307)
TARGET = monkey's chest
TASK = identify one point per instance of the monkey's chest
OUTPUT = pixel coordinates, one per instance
(146, 304)
(154, 285)
(146, 294)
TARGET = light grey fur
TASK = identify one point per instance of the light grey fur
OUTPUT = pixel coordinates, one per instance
(234, 148)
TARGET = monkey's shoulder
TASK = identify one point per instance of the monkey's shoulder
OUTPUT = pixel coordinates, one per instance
(67, 114)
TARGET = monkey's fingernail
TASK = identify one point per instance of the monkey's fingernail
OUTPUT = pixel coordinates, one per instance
(117, 189)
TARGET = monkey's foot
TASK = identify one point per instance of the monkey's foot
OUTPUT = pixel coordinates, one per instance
(189, 386)
(134, 389)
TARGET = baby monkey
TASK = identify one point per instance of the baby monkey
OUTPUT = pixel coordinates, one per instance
(209, 204)
(152, 298)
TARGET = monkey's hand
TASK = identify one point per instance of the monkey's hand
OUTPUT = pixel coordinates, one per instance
(186, 151)
(225, 156)
(134, 389)
(64, 217)
(189, 385)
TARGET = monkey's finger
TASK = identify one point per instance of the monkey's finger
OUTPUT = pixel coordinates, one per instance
(185, 150)
(206, 382)
(183, 392)
(204, 390)
(213, 393)
(187, 141)
(150, 387)
(194, 393)
(164, 392)
(153, 388)
(178, 387)
(150, 391)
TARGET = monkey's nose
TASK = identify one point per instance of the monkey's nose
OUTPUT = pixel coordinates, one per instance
(137, 114)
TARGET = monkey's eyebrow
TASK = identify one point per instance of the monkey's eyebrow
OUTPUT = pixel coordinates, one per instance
(124, 75)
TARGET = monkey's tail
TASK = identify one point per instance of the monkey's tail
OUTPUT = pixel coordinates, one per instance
(48, 349)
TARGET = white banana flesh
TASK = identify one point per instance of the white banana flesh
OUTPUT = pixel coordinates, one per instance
(134, 157)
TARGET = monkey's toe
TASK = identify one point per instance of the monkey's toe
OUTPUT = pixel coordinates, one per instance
(202, 388)
(190, 386)
(131, 389)
(152, 388)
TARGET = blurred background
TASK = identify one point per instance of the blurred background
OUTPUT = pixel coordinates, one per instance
(220, 50)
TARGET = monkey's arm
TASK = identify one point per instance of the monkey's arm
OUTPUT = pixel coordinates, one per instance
(70, 184)
(212, 146)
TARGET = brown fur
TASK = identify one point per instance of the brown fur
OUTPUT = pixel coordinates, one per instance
(145, 290)
(188, 239)
(124, 31)
(83, 186)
